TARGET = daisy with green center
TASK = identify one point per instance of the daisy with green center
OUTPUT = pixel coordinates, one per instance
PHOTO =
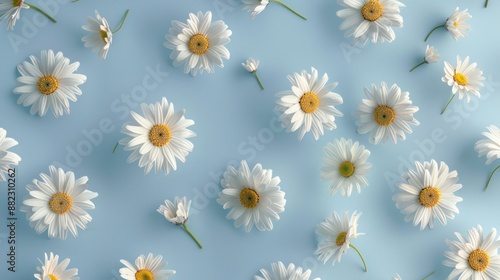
(8, 159)
(251, 66)
(489, 147)
(280, 272)
(309, 105)
(10, 10)
(455, 24)
(431, 56)
(387, 114)
(474, 256)
(255, 7)
(428, 193)
(146, 268)
(254, 196)
(51, 269)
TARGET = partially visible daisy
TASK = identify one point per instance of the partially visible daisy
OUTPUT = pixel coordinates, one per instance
(346, 165)
(251, 66)
(48, 82)
(255, 7)
(431, 56)
(8, 159)
(158, 137)
(397, 277)
(51, 269)
(336, 235)
(58, 203)
(464, 79)
(455, 24)
(199, 44)
(309, 105)
(428, 193)
(281, 272)
(10, 10)
(474, 256)
(254, 196)
(370, 20)
(387, 114)
(489, 147)
(146, 268)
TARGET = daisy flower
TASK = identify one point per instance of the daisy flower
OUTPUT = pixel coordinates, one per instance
(474, 256)
(309, 105)
(370, 19)
(490, 147)
(10, 10)
(251, 66)
(48, 82)
(455, 24)
(254, 196)
(281, 272)
(346, 165)
(52, 269)
(58, 203)
(255, 7)
(177, 212)
(431, 56)
(336, 235)
(199, 44)
(7, 158)
(464, 79)
(386, 114)
(146, 268)
(428, 193)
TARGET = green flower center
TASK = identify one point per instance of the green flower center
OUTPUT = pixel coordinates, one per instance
(104, 35)
(341, 238)
(346, 169)
(16, 3)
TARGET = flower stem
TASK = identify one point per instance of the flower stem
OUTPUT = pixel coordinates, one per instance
(489, 178)
(416, 66)
(116, 146)
(123, 21)
(41, 11)
(440, 26)
(486, 4)
(361, 256)
(428, 275)
(290, 9)
(192, 236)
(453, 96)
(258, 80)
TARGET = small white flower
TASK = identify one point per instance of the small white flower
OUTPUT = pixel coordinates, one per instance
(176, 212)
(146, 268)
(428, 194)
(51, 269)
(255, 7)
(101, 36)
(431, 54)
(10, 10)
(8, 159)
(251, 65)
(489, 147)
(464, 79)
(281, 272)
(456, 25)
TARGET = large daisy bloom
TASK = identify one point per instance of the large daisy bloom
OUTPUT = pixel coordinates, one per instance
(52, 269)
(199, 44)
(146, 268)
(428, 194)
(100, 37)
(280, 272)
(255, 7)
(48, 82)
(387, 114)
(58, 203)
(10, 10)
(309, 105)
(254, 196)
(346, 165)
(335, 235)
(370, 19)
(8, 159)
(177, 212)
(158, 137)
(455, 24)
(474, 256)
(489, 147)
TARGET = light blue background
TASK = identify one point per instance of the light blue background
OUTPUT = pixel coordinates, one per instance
(235, 121)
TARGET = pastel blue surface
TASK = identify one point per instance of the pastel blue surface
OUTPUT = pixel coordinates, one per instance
(235, 121)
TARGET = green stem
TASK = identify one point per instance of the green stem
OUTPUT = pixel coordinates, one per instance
(416, 66)
(123, 21)
(453, 96)
(41, 11)
(116, 146)
(486, 4)
(258, 80)
(361, 256)
(192, 236)
(428, 275)
(489, 179)
(440, 26)
(290, 9)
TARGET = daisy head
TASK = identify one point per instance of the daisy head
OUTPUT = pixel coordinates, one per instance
(158, 137)
(251, 65)
(386, 114)
(199, 44)
(489, 147)
(48, 82)
(8, 159)
(346, 165)
(427, 193)
(146, 268)
(51, 269)
(10, 10)
(456, 23)
(255, 7)
(280, 272)
(100, 37)
(176, 212)
(431, 54)
(254, 196)
(309, 105)
(474, 256)
(464, 79)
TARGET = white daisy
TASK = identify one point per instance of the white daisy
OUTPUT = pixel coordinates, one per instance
(48, 82)
(199, 44)
(281, 272)
(397, 277)
(428, 193)
(346, 165)
(58, 203)
(455, 24)
(101, 36)
(370, 19)
(489, 147)
(146, 268)
(309, 105)
(10, 10)
(159, 137)
(251, 66)
(431, 56)
(177, 212)
(386, 114)
(336, 235)
(474, 256)
(255, 7)
(254, 196)
(8, 159)
(51, 269)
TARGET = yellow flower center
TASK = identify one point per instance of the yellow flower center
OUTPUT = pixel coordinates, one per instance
(372, 10)
(455, 24)
(249, 198)
(309, 102)
(160, 135)
(52, 277)
(144, 274)
(16, 3)
(460, 79)
(199, 44)
(384, 115)
(429, 196)
(340, 240)
(104, 35)
(346, 169)
(47, 84)
(60, 203)
(479, 260)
